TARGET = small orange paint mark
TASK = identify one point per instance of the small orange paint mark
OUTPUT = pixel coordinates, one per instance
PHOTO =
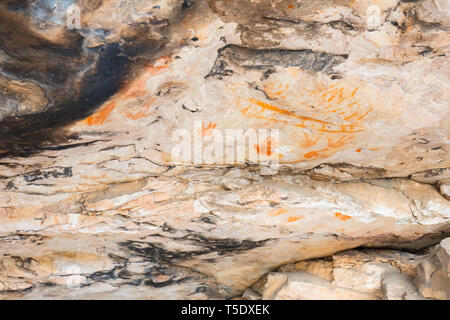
(141, 114)
(291, 6)
(99, 117)
(311, 154)
(293, 219)
(358, 150)
(285, 112)
(344, 129)
(341, 216)
(332, 97)
(245, 110)
(365, 114)
(277, 212)
(266, 148)
(330, 90)
(351, 116)
(207, 131)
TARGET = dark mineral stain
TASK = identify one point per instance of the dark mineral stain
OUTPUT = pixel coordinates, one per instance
(220, 70)
(187, 4)
(414, 245)
(264, 59)
(69, 146)
(59, 172)
(10, 186)
(27, 134)
(125, 274)
(222, 246)
(208, 220)
(432, 172)
(342, 25)
(19, 238)
(104, 275)
(17, 6)
(135, 282)
(156, 253)
(167, 228)
(75, 79)
(162, 284)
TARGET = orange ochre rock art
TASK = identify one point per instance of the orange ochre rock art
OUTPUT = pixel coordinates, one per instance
(267, 147)
(329, 120)
(137, 89)
(318, 122)
(100, 116)
(278, 212)
(294, 218)
(208, 130)
(341, 216)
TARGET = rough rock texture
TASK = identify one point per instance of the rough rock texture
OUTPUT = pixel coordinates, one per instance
(434, 273)
(365, 274)
(355, 274)
(94, 203)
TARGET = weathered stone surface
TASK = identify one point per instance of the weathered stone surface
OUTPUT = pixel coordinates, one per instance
(304, 286)
(94, 203)
(321, 268)
(444, 188)
(433, 280)
(355, 274)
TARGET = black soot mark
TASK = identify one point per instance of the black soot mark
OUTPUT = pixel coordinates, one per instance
(27, 134)
(70, 80)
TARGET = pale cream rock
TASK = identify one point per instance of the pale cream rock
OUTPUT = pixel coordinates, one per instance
(444, 188)
(237, 178)
(249, 294)
(304, 286)
(434, 11)
(380, 259)
(326, 172)
(386, 274)
(275, 282)
(101, 287)
(398, 286)
(366, 278)
(359, 274)
(320, 268)
(433, 280)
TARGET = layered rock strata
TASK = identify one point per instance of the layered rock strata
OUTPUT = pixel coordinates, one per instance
(117, 179)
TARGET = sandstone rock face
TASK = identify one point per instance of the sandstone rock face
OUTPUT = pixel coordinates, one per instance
(434, 273)
(118, 179)
(354, 274)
